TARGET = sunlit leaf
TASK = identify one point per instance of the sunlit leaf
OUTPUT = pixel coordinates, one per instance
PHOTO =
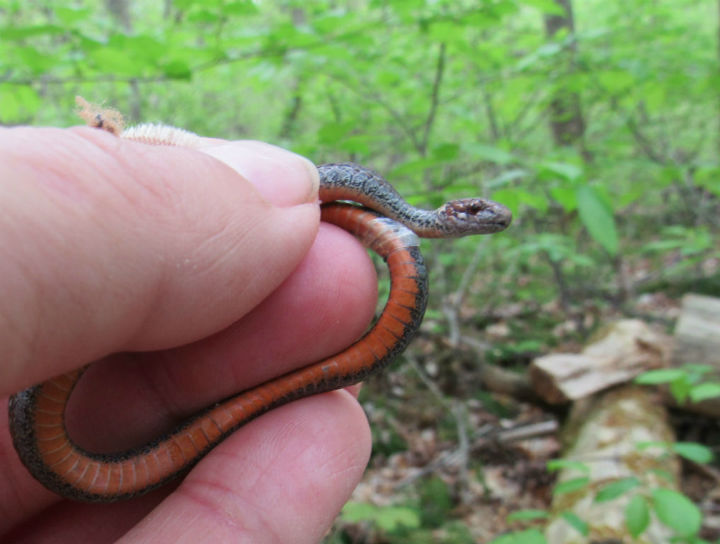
(580, 525)
(616, 489)
(18, 103)
(559, 464)
(528, 515)
(564, 170)
(637, 515)
(705, 391)
(529, 536)
(664, 375)
(488, 153)
(693, 451)
(571, 485)
(177, 69)
(676, 511)
(565, 196)
(597, 218)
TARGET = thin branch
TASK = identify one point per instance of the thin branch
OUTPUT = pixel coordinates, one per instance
(451, 304)
(434, 99)
(261, 52)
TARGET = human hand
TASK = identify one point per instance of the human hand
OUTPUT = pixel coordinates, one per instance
(177, 274)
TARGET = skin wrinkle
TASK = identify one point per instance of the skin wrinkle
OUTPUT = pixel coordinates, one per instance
(186, 269)
(240, 498)
(65, 203)
(203, 492)
(13, 328)
(273, 448)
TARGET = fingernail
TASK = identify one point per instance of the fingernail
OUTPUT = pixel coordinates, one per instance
(280, 176)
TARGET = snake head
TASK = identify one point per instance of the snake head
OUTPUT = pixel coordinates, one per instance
(474, 216)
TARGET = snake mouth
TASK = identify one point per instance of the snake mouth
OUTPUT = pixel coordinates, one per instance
(476, 216)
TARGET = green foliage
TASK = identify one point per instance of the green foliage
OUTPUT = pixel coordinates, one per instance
(435, 502)
(686, 383)
(425, 519)
(576, 523)
(528, 515)
(389, 519)
(692, 451)
(616, 489)
(571, 486)
(596, 214)
(529, 536)
(673, 509)
(448, 99)
(677, 512)
(637, 515)
(559, 464)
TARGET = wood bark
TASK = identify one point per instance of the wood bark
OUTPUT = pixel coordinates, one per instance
(618, 353)
(566, 120)
(697, 332)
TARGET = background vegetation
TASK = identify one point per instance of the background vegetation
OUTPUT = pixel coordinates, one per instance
(596, 122)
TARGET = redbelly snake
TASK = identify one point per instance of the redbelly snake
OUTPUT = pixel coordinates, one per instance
(386, 224)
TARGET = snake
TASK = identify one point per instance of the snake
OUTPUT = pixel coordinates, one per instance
(354, 198)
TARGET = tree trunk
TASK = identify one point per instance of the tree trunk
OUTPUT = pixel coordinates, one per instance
(566, 120)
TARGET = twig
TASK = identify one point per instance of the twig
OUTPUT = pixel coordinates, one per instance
(451, 303)
(460, 455)
(434, 100)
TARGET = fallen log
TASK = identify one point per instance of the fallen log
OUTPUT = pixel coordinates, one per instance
(603, 434)
(615, 356)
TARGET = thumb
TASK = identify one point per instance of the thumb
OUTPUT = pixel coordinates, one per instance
(110, 245)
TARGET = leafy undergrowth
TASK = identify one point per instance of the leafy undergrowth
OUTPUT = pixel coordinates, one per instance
(442, 470)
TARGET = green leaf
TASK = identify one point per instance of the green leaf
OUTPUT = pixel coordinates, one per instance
(705, 391)
(38, 62)
(578, 524)
(693, 451)
(506, 177)
(571, 485)
(637, 515)
(70, 15)
(527, 515)
(392, 518)
(18, 103)
(615, 80)
(533, 200)
(177, 69)
(530, 536)
(546, 6)
(22, 32)
(597, 218)
(388, 518)
(562, 169)
(616, 489)
(446, 151)
(680, 389)
(116, 61)
(559, 464)
(565, 196)
(488, 153)
(509, 198)
(665, 375)
(677, 512)
(243, 7)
